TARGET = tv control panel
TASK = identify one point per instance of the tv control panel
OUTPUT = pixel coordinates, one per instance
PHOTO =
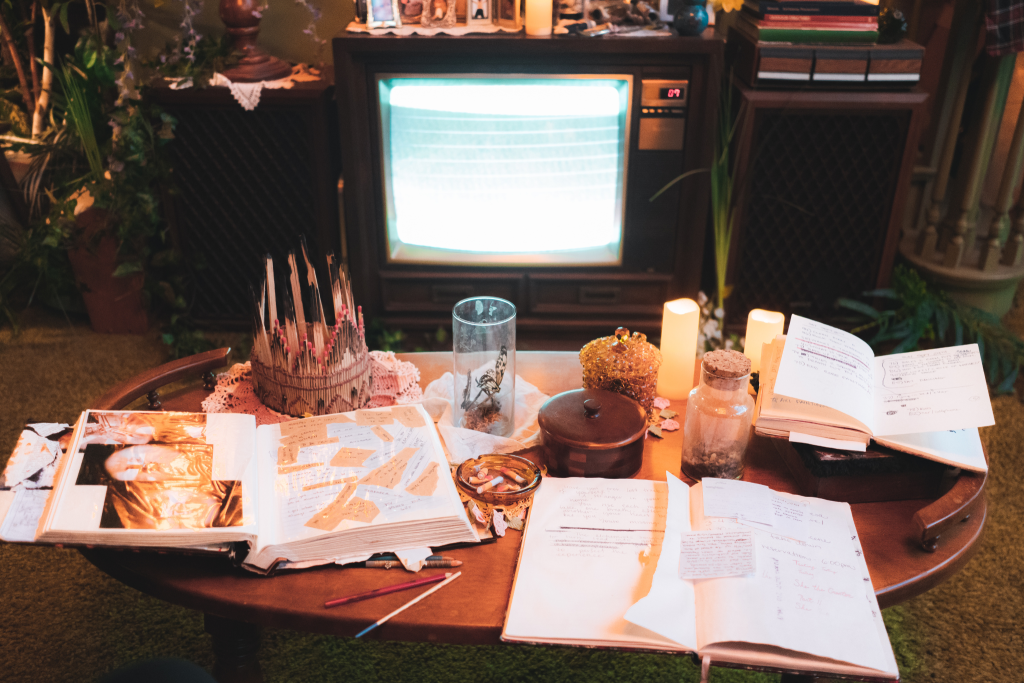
(663, 114)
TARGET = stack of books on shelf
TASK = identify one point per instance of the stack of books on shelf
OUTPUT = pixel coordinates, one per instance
(809, 21)
(823, 43)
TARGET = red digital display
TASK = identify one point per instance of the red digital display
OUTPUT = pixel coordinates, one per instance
(671, 94)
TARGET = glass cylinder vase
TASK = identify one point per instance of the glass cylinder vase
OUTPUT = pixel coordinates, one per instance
(484, 364)
(718, 413)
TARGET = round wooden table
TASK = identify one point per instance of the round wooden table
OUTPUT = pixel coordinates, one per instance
(910, 546)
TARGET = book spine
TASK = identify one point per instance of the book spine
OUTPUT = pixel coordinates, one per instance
(794, 35)
(789, 19)
(819, 25)
(761, 8)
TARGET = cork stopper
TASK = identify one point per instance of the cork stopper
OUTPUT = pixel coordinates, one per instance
(726, 364)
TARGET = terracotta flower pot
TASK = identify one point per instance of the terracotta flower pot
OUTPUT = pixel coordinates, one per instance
(115, 304)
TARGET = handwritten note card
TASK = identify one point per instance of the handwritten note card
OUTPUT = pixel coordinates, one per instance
(369, 418)
(382, 434)
(789, 517)
(390, 473)
(426, 483)
(408, 416)
(738, 499)
(351, 457)
(713, 554)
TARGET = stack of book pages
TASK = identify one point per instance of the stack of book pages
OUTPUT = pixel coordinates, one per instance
(336, 488)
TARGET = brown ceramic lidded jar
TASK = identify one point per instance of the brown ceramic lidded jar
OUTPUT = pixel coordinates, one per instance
(592, 433)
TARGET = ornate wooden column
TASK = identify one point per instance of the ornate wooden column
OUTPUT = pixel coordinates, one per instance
(244, 28)
(962, 218)
(978, 267)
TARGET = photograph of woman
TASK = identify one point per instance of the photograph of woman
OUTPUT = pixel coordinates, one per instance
(158, 470)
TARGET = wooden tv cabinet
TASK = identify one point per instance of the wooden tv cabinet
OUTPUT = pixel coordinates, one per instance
(663, 241)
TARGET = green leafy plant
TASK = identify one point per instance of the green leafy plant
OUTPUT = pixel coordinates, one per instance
(211, 54)
(723, 182)
(919, 313)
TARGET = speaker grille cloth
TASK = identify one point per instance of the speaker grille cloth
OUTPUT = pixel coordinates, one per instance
(246, 189)
(820, 193)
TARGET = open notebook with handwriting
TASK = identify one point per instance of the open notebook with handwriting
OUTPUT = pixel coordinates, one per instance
(599, 567)
(824, 386)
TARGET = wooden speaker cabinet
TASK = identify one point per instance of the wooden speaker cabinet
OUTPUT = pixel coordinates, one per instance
(822, 178)
(248, 183)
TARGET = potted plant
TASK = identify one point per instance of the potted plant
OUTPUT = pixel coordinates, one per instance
(95, 175)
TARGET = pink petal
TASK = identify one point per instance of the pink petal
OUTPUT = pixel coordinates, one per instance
(660, 403)
(479, 515)
(670, 425)
(499, 523)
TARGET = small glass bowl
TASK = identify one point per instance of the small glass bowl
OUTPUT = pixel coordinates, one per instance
(518, 466)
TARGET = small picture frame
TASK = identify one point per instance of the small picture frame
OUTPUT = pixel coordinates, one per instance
(383, 14)
(411, 11)
(508, 13)
(438, 14)
(478, 12)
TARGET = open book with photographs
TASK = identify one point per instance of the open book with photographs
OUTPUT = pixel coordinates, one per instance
(336, 488)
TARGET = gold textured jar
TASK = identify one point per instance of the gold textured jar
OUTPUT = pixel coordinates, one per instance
(624, 363)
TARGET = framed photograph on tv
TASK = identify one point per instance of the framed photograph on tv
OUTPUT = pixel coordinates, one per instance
(438, 14)
(478, 12)
(383, 14)
(508, 12)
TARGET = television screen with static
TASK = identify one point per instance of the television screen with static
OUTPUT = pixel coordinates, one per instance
(505, 170)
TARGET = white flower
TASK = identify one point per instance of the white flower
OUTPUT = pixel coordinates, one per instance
(728, 344)
(83, 200)
(720, 313)
(702, 298)
(711, 329)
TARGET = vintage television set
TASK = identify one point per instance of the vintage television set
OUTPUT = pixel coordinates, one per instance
(523, 168)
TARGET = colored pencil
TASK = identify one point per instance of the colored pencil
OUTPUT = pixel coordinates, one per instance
(409, 604)
(386, 590)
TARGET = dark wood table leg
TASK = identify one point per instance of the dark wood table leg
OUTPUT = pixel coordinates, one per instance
(236, 646)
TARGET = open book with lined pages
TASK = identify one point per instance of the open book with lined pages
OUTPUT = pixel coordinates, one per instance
(823, 386)
(326, 489)
(600, 565)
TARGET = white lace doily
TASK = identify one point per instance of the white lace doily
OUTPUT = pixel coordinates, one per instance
(248, 94)
(418, 30)
(234, 394)
(395, 382)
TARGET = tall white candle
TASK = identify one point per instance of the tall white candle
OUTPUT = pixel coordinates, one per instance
(679, 324)
(538, 17)
(762, 327)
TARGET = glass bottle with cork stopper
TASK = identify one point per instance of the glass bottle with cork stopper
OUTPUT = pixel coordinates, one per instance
(718, 414)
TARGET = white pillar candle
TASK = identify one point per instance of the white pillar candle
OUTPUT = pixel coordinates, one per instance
(679, 324)
(762, 327)
(538, 17)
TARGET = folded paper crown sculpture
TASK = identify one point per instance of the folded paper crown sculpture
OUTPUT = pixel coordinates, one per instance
(302, 367)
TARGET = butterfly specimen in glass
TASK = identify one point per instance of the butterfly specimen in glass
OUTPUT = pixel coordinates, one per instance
(489, 383)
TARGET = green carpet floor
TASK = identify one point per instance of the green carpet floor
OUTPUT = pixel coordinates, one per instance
(63, 620)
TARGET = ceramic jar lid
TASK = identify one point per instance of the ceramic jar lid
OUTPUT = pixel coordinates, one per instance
(592, 419)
